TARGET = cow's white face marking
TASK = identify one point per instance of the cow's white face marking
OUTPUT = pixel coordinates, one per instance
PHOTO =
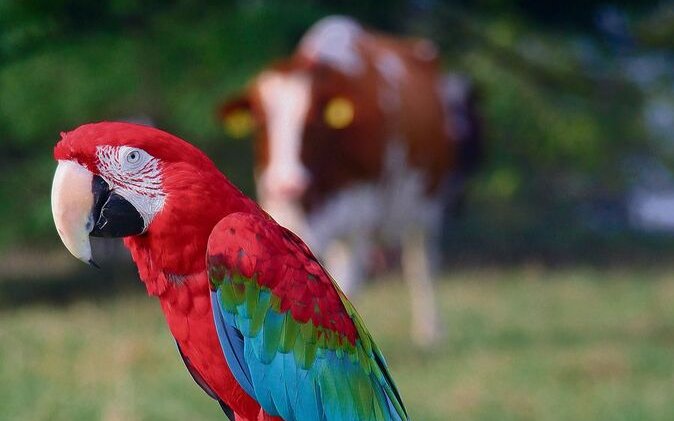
(285, 99)
(333, 41)
(135, 175)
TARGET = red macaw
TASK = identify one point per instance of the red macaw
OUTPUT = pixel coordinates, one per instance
(260, 325)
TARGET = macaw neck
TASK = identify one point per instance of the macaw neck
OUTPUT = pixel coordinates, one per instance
(174, 246)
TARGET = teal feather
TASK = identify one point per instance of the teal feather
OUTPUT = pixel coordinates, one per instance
(271, 334)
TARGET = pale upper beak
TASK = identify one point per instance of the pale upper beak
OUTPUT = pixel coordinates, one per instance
(72, 205)
(84, 205)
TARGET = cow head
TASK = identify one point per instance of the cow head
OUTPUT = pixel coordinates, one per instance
(315, 129)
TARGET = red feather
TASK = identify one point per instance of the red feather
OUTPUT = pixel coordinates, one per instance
(263, 250)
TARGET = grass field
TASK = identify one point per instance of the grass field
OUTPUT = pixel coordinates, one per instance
(522, 344)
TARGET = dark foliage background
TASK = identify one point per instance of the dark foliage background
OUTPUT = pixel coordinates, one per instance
(577, 99)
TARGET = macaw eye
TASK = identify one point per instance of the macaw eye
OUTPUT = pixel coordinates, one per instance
(338, 112)
(133, 157)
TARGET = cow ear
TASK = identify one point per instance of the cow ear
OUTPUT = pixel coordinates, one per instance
(236, 117)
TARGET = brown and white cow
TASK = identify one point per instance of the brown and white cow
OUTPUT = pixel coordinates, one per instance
(354, 146)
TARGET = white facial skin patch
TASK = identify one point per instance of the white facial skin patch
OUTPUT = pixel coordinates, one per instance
(135, 175)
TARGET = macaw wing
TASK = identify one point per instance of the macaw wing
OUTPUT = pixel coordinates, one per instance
(290, 337)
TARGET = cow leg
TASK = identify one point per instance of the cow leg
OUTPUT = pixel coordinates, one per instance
(417, 257)
(345, 260)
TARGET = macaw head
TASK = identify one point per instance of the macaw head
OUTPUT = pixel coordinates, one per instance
(122, 179)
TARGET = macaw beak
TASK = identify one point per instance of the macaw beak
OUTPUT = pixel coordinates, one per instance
(83, 205)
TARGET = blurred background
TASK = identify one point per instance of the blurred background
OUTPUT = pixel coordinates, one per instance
(556, 286)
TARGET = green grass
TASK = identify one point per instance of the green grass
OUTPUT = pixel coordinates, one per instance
(522, 344)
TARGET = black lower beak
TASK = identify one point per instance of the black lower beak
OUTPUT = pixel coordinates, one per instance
(115, 216)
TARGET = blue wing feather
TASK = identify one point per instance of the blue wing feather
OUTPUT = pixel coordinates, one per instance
(231, 342)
